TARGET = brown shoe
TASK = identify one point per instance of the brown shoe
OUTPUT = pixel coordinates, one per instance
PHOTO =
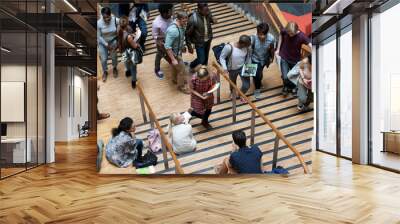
(206, 125)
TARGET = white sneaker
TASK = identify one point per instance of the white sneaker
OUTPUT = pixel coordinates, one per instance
(257, 94)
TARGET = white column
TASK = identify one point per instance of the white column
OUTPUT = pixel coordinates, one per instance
(50, 94)
(360, 90)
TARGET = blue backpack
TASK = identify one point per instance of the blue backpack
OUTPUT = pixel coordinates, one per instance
(278, 170)
(218, 49)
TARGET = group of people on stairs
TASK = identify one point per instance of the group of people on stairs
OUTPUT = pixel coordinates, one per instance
(189, 32)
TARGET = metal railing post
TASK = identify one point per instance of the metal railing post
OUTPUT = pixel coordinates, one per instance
(275, 155)
(143, 108)
(164, 152)
(233, 105)
(253, 126)
(219, 91)
(151, 122)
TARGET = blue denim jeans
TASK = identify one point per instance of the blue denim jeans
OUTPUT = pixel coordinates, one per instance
(259, 75)
(202, 53)
(103, 51)
(233, 74)
(143, 28)
(285, 68)
(139, 147)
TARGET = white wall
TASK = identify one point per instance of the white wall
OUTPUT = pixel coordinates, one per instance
(71, 87)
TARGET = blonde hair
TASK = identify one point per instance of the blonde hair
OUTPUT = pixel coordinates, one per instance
(292, 27)
(202, 72)
(172, 122)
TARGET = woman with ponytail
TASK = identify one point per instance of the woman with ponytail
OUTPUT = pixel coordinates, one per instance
(180, 134)
(123, 148)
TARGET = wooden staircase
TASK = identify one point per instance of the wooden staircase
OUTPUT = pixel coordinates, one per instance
(215, 144)
(229, 22)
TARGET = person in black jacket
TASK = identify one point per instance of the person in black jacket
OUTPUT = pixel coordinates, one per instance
(199, 32)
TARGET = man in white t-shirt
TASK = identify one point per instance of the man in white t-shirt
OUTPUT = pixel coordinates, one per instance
(233, 57)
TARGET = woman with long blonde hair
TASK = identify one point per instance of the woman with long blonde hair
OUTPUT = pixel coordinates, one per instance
(180, 134)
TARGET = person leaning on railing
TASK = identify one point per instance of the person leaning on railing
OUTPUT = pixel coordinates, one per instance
(300, 75)
(243, 159)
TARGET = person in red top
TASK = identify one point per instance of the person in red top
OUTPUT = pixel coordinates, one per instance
(201, 101)
(289, 50)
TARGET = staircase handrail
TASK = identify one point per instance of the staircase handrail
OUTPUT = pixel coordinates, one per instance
(261, 114)
(153, 118)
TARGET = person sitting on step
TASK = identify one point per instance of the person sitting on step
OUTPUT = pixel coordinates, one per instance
(243, 159)
(202, 101)
(180, 134)
(124, 149)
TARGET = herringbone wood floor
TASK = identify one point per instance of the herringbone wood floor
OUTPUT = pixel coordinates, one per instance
(70, 191)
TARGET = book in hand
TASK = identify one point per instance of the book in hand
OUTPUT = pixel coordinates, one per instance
(214, 87)
(187, 117)
(249, 70)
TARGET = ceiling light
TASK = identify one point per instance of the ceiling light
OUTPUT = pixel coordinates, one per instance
(70, 5)
(338, 6)
(5, 50)
(84, 71)
(64, 40)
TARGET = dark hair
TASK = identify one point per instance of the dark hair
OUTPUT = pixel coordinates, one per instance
(239, 138)
(201, 5)
(106, 11)
(165, 7)
(124, 125)
(263, 28)
(245, 40)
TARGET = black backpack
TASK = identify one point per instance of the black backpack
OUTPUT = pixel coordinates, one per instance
(218, 49)
(149, 159)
